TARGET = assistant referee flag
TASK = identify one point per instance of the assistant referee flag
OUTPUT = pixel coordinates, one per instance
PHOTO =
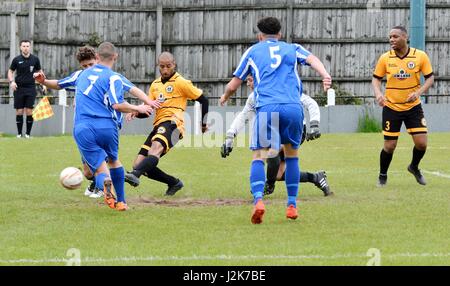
(43, 110)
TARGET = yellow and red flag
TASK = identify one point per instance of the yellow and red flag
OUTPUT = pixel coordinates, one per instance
(43, 110)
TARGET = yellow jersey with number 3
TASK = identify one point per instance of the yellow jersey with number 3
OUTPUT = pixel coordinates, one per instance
(173, 96)
(403, 76)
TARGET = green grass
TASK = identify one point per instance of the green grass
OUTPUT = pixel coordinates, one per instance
(408, 223)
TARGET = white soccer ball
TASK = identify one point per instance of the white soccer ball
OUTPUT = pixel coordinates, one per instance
(71, 178)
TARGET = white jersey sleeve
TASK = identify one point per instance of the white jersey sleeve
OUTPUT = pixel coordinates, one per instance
(312, 107)
(245, 115)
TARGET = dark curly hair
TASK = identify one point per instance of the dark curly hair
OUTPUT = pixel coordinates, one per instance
(85, 53)
(269, 25)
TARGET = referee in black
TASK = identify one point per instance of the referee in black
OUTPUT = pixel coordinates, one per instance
(23, 85)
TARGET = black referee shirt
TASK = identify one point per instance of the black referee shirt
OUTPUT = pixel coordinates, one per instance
(25, 67)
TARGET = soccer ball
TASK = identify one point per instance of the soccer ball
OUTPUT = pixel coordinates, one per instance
(71, 178)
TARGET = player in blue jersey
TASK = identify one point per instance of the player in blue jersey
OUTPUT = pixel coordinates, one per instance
(87, 58)
(98, 118)
(279, 114)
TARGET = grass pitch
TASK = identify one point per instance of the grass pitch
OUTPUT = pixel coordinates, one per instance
(208, 222)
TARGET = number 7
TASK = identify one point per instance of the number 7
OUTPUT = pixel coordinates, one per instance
(93, 79)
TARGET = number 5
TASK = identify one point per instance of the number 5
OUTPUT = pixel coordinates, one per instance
(275, 56)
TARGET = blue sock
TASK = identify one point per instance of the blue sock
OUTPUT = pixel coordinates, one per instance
(99, 180)
(292, 179)
(118, 179)
(257, 180)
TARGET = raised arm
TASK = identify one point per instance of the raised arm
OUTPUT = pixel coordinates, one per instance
(318, 66)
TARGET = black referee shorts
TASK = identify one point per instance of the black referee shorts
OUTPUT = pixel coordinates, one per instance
(24, 97)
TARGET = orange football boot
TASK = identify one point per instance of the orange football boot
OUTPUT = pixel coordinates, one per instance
(291, 212)
(258, 212)
(120, 206)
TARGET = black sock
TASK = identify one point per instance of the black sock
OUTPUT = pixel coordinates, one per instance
(385, 161)
(273, 164)
(417, 156)
(29, 124)
(146, 165)
(158, 175)
(306, 177)
(19, 121)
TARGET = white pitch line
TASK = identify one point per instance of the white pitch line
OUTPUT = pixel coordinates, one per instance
(218, 258)
(435, 173)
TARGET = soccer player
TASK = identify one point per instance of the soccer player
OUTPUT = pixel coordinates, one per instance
(98, 118)
(276, 165)
(172, 91)
(279, 114)
(86, 57)
(403, 66)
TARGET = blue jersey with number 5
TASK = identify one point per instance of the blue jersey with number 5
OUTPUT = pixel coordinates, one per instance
(273, 65)
(97, 90)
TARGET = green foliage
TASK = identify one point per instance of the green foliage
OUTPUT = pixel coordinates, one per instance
(343, 97)
(368, 124)
(94, 40)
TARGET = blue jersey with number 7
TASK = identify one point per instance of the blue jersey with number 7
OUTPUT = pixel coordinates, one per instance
(97, 90)
(273, 65)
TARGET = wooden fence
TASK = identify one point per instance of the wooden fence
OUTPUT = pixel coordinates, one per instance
(208, 37)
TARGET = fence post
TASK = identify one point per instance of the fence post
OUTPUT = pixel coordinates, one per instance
(158, 48)
(13, 42)
(31, 22)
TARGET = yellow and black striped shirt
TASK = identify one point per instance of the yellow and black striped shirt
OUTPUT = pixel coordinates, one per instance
(403, 76)
(173, 96)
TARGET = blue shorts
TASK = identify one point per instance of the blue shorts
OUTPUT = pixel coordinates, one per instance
(277, 124)
(95, 144)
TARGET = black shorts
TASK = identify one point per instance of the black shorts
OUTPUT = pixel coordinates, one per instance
(24, 97)
(414, 121)
(165, 133)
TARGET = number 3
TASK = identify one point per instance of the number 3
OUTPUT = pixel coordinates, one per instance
(275, 56)
(388, 125)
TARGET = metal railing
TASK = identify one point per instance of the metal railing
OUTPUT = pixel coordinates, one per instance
(5, 98)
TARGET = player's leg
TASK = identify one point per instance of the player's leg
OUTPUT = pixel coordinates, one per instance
(291, 127)
(273, 166)
(257, 181)
(19, 105)
(392, 123)
(118, 180)
(91, 190)
(262, 135)
(108, 139)
(94, 156)
(145, 160)
(29, 112)
(416, 126)
(166, 136)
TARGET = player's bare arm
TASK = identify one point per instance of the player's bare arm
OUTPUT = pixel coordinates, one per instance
(125, 107)
(379, 97)
(138, 93)
(318, 66)
(11, 80)
(230, 89)
(415, 95)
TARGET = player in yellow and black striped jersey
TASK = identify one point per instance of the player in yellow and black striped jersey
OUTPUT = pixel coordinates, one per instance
(403, 67)
(172, 91)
